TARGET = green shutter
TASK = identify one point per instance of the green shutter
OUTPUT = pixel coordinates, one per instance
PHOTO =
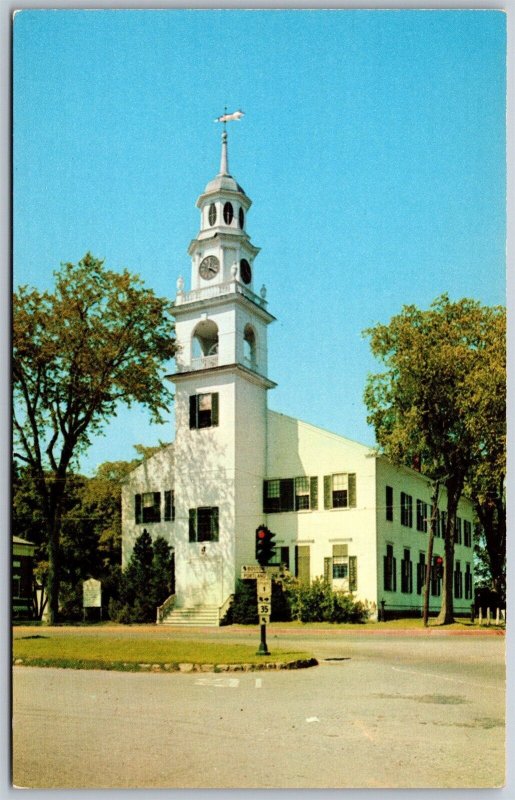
(137, 508)
(157, 507)
(328, 569)
(352, 490)
(193, 410)
(328, 503)
(266, 508)
(193, 524)
(313, 493)
(214, 524)
(302, 564)
(287, 494)
(214, 409)
(353, 573)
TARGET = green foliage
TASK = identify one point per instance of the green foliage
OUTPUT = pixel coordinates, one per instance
(99, 339)
(146, 583)
(317, 602)
(441, 401)
(292, 600)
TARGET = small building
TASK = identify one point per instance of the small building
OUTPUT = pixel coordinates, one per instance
(336, 507)
(22, 578)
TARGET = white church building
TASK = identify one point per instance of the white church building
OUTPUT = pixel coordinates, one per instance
(336, 507)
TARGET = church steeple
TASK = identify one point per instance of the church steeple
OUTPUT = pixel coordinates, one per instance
(224, 161)
(222, 251)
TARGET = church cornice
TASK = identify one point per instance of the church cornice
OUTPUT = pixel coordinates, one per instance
(232, 292)
(224, 237)
(248, 374)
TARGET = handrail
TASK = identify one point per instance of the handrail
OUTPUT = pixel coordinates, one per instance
(162, 610)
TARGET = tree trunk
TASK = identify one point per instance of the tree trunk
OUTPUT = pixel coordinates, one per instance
(492, 516)
(446, 615)
(57, 492)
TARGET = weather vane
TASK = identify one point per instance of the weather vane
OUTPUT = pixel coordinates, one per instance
(225, 118)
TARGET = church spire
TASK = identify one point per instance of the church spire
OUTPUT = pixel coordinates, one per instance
(224, 161)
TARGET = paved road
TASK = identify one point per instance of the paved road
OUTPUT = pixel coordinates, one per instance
(395, 712)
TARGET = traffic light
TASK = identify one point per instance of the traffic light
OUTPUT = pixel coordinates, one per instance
(439, 566)
(265, 548)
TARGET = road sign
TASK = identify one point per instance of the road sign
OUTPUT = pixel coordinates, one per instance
(264, 608)
(252, 571)
(264, 587)
(264, 619)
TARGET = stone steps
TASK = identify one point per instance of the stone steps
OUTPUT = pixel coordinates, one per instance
(207, 616)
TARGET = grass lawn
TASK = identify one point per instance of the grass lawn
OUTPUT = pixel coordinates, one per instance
(88, 652)
(407, 623)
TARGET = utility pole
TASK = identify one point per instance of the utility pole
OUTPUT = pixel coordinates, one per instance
(429, 557)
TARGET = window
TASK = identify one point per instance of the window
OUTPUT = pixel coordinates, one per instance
(340, 490)
(290, 494)
(340, 568)
(228, 213)
(389, 503)
(468, 582)
(241, 217)
(406, 510)
(421, 572)
(458, 532)
(203, 524)
(467, 533)
(204, 410)
(390, 570)
(406, 573)
(249, 347)
(169, 514)
(422, 509)
(147, 507)
(302, 494)
(212, 214)
(458, 581)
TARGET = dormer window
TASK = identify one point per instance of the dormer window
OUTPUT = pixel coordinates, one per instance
(228, 213)
(211, 214)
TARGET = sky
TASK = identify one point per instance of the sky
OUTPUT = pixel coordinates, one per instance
(372, 146)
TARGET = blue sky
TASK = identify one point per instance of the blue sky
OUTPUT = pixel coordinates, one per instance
(373, 148)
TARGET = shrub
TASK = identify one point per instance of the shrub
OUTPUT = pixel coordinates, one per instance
(318, 602)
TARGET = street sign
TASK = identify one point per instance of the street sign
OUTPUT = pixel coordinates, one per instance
(264, 619)
(252, 571)
(264, 608)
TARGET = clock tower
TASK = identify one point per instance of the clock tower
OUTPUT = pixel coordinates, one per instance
(220, 400)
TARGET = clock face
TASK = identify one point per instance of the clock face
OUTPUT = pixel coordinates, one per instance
(245, 271)
(209, 267)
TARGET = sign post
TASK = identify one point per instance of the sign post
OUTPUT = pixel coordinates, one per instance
(263, 577)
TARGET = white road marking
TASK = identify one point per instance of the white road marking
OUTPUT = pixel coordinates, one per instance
(219, 682)
(452, 680)
(312, 719)
(259, 683)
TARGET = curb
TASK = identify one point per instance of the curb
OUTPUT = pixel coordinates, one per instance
(186, 668)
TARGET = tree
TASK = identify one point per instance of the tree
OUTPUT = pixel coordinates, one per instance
(486, 483)
(145, 584)
(101, 338)
(424, 407)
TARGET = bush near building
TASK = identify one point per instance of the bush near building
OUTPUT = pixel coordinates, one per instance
(292, 600)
